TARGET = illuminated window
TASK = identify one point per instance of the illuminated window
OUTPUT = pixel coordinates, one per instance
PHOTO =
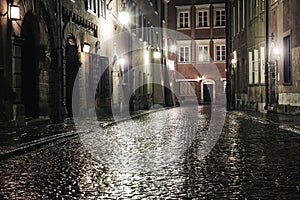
(203, 53)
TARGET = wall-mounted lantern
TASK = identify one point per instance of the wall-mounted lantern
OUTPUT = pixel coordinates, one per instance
(156, 54)
(86, 47)
(124, 17)
(14, 12)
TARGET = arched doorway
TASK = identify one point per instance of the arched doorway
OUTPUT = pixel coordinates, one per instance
(30, 69)
(208, 91)
(72, 67)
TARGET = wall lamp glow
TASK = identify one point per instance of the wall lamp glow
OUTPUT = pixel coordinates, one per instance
(156, 54)
(124, 17)
(86, 47)
(13, 12)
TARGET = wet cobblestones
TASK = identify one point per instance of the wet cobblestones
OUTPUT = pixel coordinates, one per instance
(254, 158)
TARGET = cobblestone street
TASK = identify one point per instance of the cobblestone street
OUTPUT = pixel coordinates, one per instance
(255, 157)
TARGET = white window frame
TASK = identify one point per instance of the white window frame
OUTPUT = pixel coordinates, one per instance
(222, 50)
(185, 59)
(202, 43)
(181, 10)
(201, 58)
(184, 44)
(102, 8)
(250, 64)
(256, 66)
(202, 8)
(91, 6)
(219, 42)
(219, 8)
(262, 64)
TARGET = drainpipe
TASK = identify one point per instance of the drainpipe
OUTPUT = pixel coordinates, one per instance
(228, 50)
(59, 117)
(267, 54)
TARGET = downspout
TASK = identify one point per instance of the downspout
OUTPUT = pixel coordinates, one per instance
(228, 50)
(60, 63)
(267, 53)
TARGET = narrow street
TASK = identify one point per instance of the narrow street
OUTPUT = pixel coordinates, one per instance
(254, 158)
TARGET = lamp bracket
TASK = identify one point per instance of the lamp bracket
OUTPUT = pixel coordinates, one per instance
(107, 5)
(3, 14)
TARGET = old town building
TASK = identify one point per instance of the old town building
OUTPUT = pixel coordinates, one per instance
(262, 55)
(198, 52)
(64, 58)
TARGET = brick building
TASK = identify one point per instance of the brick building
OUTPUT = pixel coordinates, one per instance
(198, 52)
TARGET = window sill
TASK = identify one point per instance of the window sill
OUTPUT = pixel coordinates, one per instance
(182, 29)
(91, 11)
(287, 84)
(183, 63)
(219, 26)
(207, 27)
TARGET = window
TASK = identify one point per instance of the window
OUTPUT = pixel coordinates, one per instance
(187, 88)
(250, 9)
(262, 64)
(250, 64)
(140, 24)
(262, 5)
(287, 59)
(256, 66)
(184, 21)
(202, 18)
(220, 17)
(184, 53)
(145, 29)
(203, 53)
(133, 16)
(220, 52)
(102, 8)
(91, 5)
(255, 8)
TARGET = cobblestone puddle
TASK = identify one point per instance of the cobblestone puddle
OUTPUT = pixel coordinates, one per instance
(253, 159)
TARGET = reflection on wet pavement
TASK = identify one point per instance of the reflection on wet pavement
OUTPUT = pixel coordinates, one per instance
(253, 159)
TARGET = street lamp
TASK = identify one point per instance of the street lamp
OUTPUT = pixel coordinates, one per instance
(124, 17)
(156, 54)
(86, 47)
(13, 12)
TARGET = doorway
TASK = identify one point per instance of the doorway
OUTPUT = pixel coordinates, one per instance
(30, 69)
(208, 93)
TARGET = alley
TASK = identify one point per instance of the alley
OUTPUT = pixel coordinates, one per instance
(253, 158)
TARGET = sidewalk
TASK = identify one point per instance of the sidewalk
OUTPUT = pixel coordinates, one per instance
(17, 140)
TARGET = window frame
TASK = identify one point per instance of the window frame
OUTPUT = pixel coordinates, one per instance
(102, 9)
(221, 51)
(91, 6)
(287, 65)
(221, 20)
(183, 9)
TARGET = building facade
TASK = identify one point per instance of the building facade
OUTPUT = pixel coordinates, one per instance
(261, 57)
(198, 52)
(63, 58)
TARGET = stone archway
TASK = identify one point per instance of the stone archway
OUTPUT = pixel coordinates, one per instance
(30, 32)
